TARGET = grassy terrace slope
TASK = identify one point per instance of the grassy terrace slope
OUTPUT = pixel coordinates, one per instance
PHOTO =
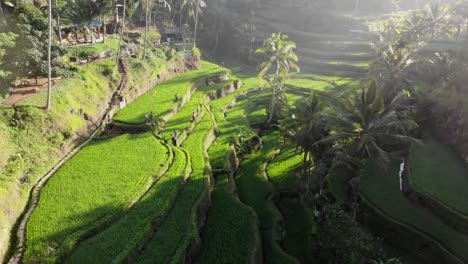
(382, 190)
(254, 189)
(439, 172)
(230, 233)
(161, 99)
(286, 169)
(119, 240)
(43, 137)
(228, 129)
(92, 188)
(171, 241)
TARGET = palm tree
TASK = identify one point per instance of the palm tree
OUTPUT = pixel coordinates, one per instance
(84, 11)
(58, 23)
(49, 47)
(356, 7)
(200, 4)
(147, 14)
(306, 124)
(119, 50)
(369, 129)
(188, 8)
(279, 55)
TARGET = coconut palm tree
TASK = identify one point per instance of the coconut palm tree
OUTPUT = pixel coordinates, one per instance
(304, 125)
(147, 16)
(369, 129)
(356, 7)
(119, 50)
(49, 48)
(58, 22)
(279, 56)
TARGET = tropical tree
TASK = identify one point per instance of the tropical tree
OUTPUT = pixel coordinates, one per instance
(49, 49)
(57, 10)
(7, 40)
(147, 17)
(119, 50)
(356, 7)
(304, 125)
(368, 128)
(280, 57)
(188, 9)
(200, 4)
(29, 56)
(84, 11)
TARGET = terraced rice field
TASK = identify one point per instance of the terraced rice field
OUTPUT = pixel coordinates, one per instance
(231, 233)
(437, 171)
(119, 240)
(161, 99)
(91, 189)
(137, 198)
(382, 190)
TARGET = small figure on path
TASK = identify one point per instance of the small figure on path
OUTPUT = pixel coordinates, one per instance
(194, 116)
(175, 134)
(176, 98)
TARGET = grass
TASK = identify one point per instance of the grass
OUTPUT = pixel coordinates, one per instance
(84, 52)
(230, 231)
(119, 240)
(183, 119)
(160, 99)
(179, 230)
(84, 92)
(300, 227)
(439, 172)
(93, 187)
(383, 191)
(30, 148)
(338, 183)
(253, 190)
(228, 130)
(286, 169)
(143, 71)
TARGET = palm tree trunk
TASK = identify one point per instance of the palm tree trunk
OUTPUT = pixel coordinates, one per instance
(49, 67)
(196, 25)
(273, 92)
(104, 30)
(216, 42)
(356, 8)
(173, 17)
(146, 29)
(180, 18)
(121, 32)
(58, 23)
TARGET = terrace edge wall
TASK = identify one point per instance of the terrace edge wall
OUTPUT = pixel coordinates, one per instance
(403, 236)
(446, 214)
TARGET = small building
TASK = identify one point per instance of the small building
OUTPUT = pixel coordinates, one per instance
(176, 34)
(83, 33)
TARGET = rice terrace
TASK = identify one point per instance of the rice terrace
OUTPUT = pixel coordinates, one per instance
(241, 131)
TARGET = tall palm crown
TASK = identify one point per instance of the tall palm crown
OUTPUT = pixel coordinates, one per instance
(189, 7)
(369, 128)
(279, 54)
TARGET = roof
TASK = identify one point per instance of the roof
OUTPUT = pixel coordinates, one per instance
(172, 30)
(92, 24)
